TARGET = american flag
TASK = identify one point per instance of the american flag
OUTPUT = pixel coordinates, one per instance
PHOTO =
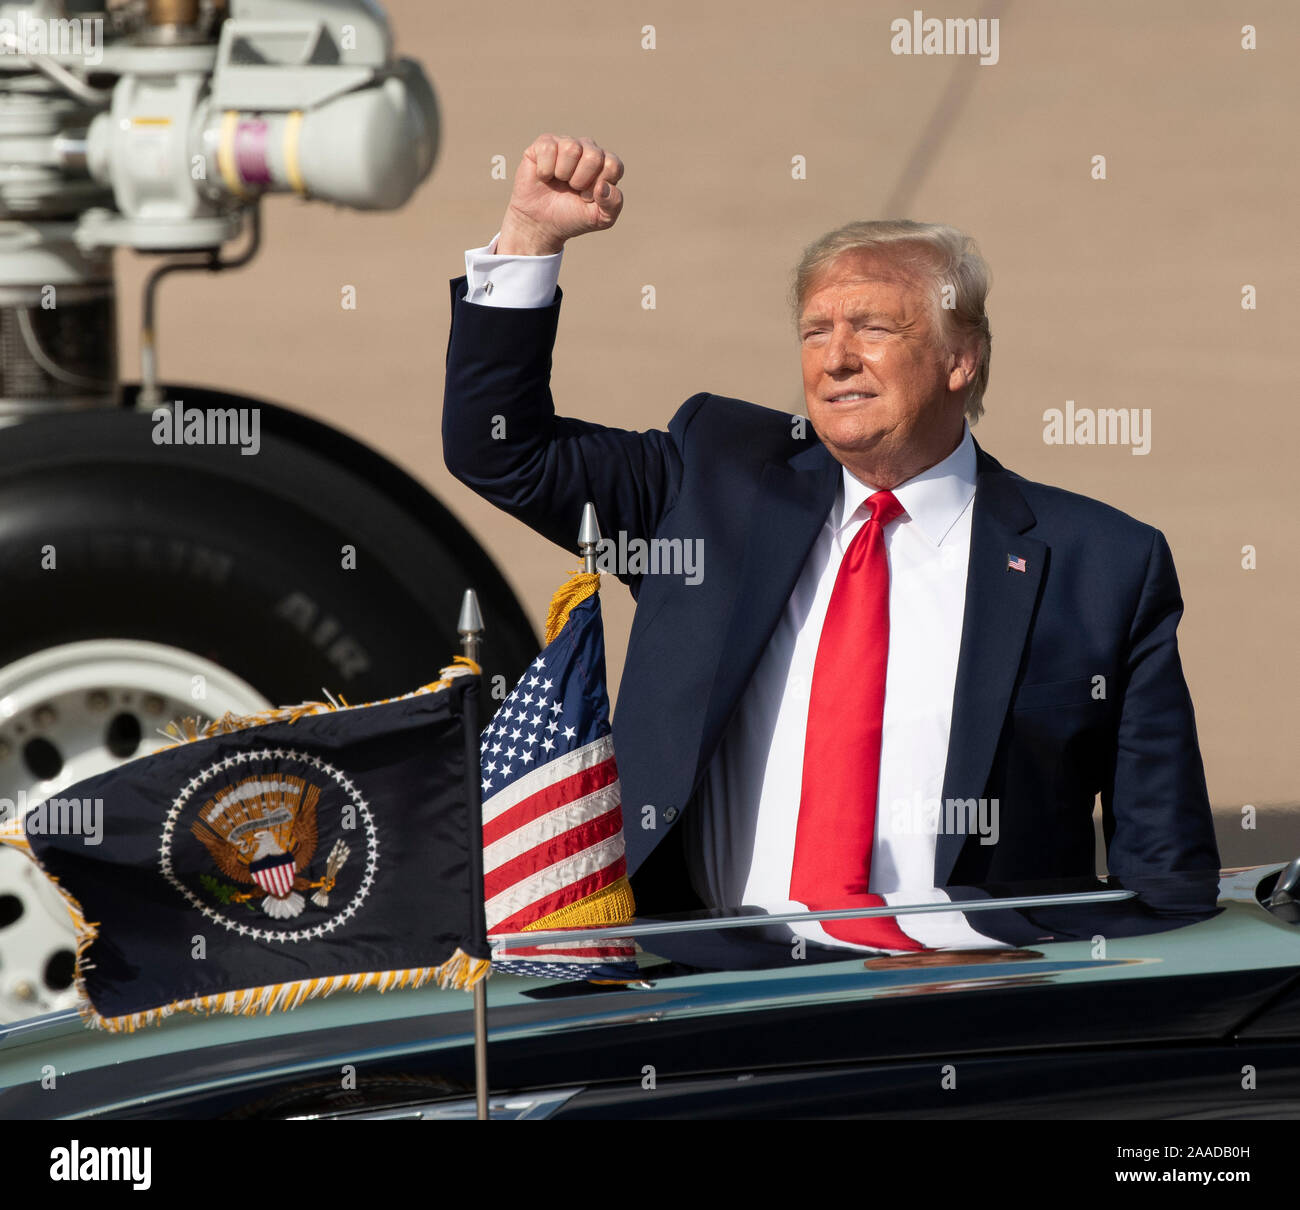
(552, 813)
(1015, 563)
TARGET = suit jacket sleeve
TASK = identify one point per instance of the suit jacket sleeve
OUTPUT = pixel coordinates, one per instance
(1155, 810)
(502, 438)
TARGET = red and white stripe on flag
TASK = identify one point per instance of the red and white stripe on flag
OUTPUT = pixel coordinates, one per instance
(553, 837)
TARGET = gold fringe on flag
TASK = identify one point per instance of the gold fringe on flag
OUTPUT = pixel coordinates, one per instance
(188, 730)
(610, 905)
(576, 589)
(459, 971)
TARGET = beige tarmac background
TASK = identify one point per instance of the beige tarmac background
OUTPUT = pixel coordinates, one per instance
(1124, 292)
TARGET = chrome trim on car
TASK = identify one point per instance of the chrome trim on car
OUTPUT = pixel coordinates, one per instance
(514, 1108)
(660, 928)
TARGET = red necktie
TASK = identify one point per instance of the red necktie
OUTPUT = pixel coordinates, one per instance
(841, 758)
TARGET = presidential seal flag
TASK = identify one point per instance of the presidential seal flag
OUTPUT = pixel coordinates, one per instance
(553, 852)
(262, 861)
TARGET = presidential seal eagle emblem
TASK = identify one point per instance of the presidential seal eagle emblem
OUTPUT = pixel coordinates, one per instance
(263, 831)
(271, 835)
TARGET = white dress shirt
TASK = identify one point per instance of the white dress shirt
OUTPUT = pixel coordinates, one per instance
(745, 815)
(744, 819)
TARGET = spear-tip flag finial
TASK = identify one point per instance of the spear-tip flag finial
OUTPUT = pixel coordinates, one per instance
(588, 537)
(470, 625)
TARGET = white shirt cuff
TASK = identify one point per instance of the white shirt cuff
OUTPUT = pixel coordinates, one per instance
(510, 280)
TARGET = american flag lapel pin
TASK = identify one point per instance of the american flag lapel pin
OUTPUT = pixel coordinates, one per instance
(1015, 563)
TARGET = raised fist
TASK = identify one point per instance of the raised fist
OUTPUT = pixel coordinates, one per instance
(563, 187)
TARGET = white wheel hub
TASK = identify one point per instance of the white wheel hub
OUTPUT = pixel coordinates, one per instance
(67, 713)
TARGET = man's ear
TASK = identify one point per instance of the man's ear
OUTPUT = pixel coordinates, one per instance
(963, 365)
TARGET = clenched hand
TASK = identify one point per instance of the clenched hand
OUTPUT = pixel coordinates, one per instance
(564, 186)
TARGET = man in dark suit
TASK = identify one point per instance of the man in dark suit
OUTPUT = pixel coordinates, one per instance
(900, 665)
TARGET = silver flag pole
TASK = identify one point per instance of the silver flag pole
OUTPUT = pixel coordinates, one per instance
(470, 628)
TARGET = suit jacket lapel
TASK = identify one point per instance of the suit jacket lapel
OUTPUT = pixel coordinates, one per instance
(794, 499)
(999, 608)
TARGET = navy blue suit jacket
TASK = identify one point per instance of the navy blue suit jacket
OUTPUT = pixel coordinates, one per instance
(1098, 598)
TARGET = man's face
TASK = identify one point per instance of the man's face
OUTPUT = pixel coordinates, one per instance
(883, 393)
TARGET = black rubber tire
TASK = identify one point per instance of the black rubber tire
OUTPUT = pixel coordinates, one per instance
(240, 559)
